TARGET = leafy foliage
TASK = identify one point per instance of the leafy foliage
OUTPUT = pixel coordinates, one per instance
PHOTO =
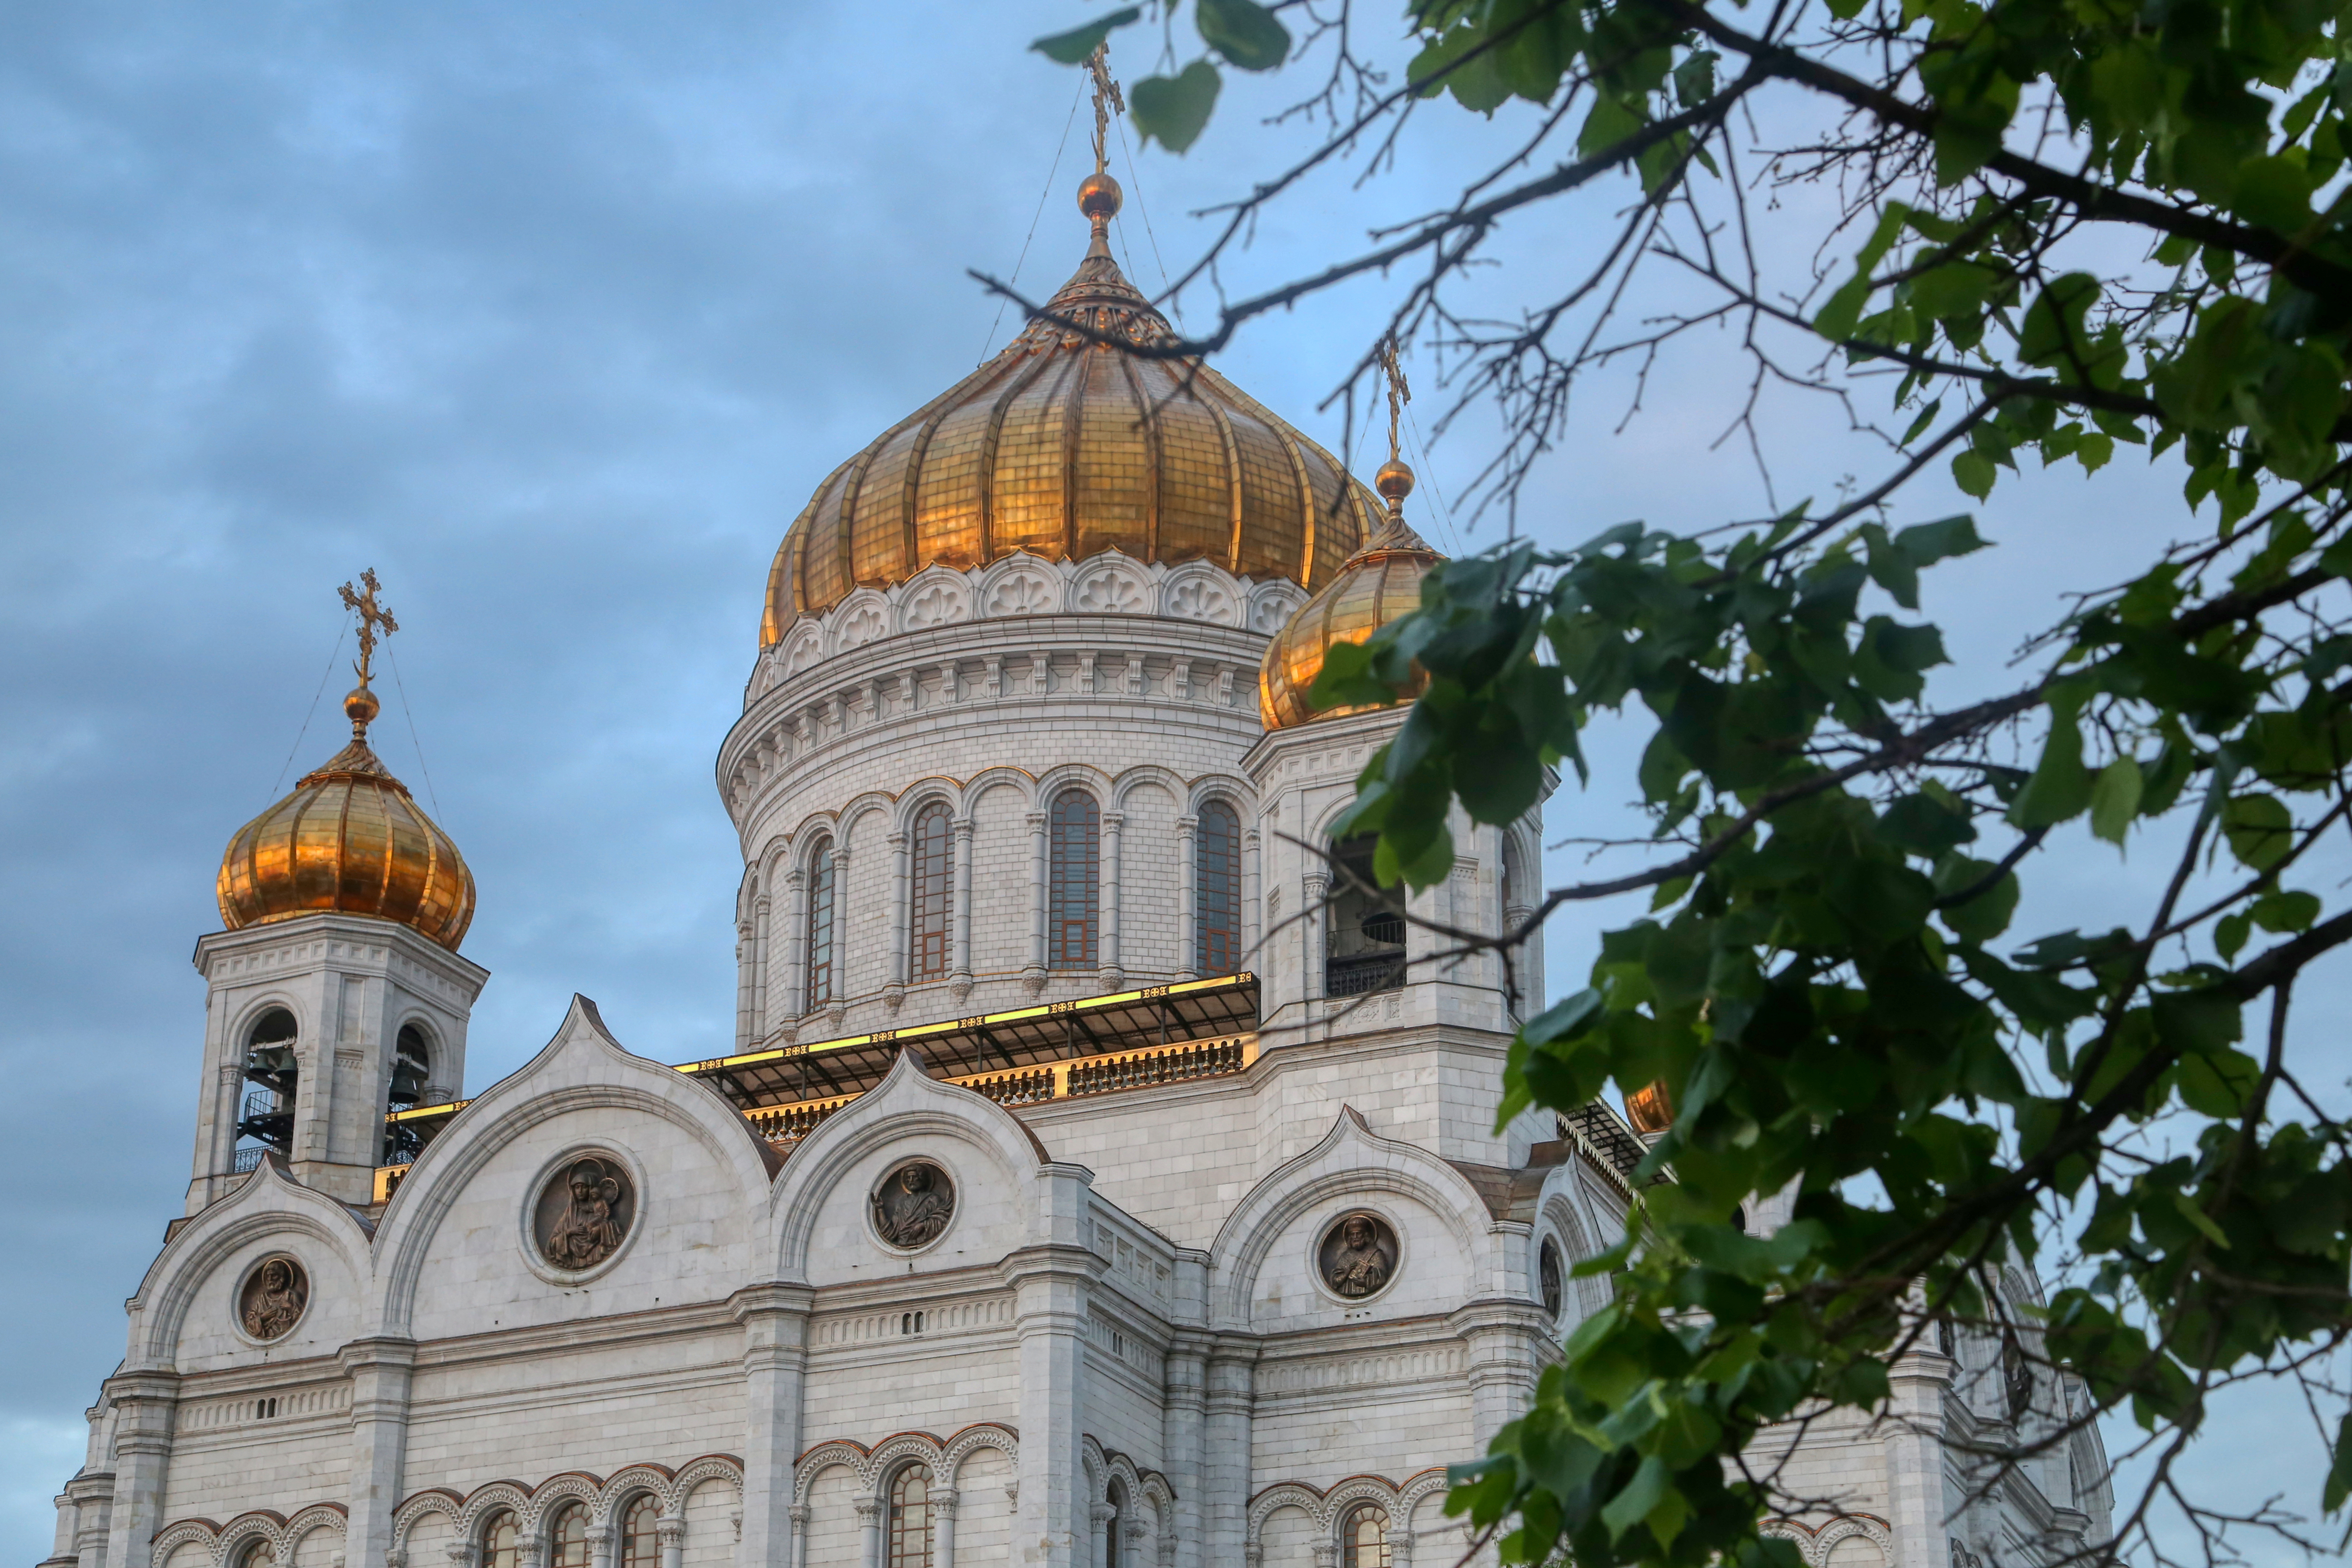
(1825, 982)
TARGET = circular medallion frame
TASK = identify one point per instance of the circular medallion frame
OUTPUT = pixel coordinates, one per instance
(258, 1302)
(890, 1202)
(551, 1206)
(1334, 1255)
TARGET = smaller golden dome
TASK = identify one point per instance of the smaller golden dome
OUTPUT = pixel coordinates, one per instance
(349, 839)
(1378, 584)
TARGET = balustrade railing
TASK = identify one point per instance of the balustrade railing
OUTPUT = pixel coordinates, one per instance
(245, 1161)
(1353, 976)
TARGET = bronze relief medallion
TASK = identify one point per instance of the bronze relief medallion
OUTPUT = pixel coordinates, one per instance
(1358, 1255)
(912, 1205)
(273, 1298)
(584, 1212)
(1549, 1278)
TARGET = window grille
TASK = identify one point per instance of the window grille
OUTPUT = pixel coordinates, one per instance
(567, 1544)
(934, 894)
(1217, 890)
(1364, 1538)
(820, 924)
(909, 1544)
(1076, 885)
(640, 1541)
(499, 1541)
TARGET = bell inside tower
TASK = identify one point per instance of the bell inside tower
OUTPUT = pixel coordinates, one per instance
(273, 1072)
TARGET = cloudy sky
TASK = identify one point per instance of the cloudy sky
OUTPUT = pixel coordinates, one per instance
(555, 315)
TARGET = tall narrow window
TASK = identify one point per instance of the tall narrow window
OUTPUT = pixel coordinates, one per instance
(910, 1518)
(927, 945)
(1364, 1538)
(499, 1541)
(1075, 891)
(567, 1541)
(820, 924)
(1367, 950)
(1116, 1498)
(640, 1541)
(1217, 890)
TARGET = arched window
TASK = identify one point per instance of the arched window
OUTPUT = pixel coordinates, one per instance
(1366, 950)
(909, 1539)
(640, 1541)
(927, 938)
(411, 1067)
(1116, 1498)
(1075, 886)
(1217, 890)
(266, 1113)
(499, 1537)
(259, 1554)
(820, 924)
(567, 1539)
(1364, 1537)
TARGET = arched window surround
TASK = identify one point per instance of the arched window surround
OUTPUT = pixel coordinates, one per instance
(501, 1540)
(1074, 880)
(637, 1544)
(1364, 1537)
(931, 899)
(1216, 873)
(821, 969)
(906, 1533)
(567, 1537)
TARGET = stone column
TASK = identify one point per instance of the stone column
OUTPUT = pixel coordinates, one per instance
(1253, 904)
(761, 977)
(380, 1370)
(1179, 1441)
(835, 1008)
(775, 1358)
(670, 1530)
(1315, 922)
(943, 1520)
(1188, 896)
(790, 1001)
(1099, 1523)
(1113, 973)
(869, 1532)
(1327, 1554)
(1225, 1458)
(144, 1404)
(1130, 1554)
(742, 983)
(800, 1517)
(531, 1550)
(1034, 975)
(960, 950)
(600, 1545)
(1400, 1546)
(894, 989)
(1504, 1339)
(1914, 1457)
(1051, 1280)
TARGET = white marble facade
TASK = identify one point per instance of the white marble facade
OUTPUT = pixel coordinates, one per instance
(1120, 1349)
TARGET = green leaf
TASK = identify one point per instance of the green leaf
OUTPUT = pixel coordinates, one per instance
(1639, 1496)
(1838, 316)
(1174, 109)
(2114, 799)
(2339, 1469)
(1246, 33)
(1984, 916)
(1973, 472)
(2229, 933)
(2060, 786)
(1072, 47)
(2260, 830)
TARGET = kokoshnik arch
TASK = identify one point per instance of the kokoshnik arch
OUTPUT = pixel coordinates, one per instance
(1091, 1184)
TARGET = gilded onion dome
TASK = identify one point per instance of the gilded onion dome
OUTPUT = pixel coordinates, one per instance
(1378, 584)
(1066, 447)
(349, 839)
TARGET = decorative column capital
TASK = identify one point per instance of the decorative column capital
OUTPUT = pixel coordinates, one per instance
(944, 1500)
(598, 1536)
(670, 1530)
(799, 1515)
(462, 1553)
(1113, 821)
(869, 1509)
(1327, 1554)
(961, 826)
(395, 1557)
(1102, 1513)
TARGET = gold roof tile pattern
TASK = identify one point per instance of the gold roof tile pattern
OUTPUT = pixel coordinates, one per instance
(349, 839)
(1063, 446)
(1378, 584)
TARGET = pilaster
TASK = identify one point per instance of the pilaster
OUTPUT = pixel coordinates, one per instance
(775, 1362)
(144, 1402)
(380, 1370)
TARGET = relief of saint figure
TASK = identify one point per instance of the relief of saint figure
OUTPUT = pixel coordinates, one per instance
(274, 1298)
(590, 1228)
(913, 1206)
(1359, 1255)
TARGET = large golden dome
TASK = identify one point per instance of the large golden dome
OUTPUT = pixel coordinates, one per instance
(1064, 447)
(348, 838)
(1378, 584)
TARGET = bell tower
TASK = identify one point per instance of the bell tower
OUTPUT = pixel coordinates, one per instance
(335, 991)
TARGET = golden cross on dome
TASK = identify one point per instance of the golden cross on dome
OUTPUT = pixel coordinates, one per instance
(372, 616)
(1108, 102)
(1398, 393)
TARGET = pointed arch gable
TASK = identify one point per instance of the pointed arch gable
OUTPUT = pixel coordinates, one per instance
(266, 1203)
(908, 1103)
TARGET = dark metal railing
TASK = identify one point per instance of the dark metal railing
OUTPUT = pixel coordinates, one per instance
(247, 1161)
(1364, 972)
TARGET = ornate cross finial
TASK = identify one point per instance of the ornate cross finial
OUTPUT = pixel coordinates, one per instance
(1108, 102)
(1398, 393)
(373, 616)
